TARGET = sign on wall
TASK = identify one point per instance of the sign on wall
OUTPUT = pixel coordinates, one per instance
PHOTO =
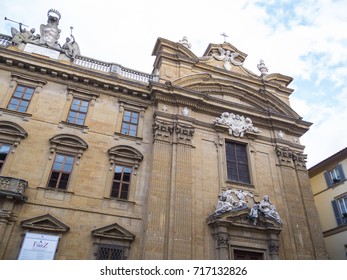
(38, 247)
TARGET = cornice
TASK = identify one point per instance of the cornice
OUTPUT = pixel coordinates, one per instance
(48, 69)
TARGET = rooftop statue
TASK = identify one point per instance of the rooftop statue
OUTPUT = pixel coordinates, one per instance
(50, 33)
(228, 57)
(23, 35)
(71, 48)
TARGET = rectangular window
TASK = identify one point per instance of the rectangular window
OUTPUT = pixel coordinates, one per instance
(334, 176)
(21, 98)
(340, 210)
(78, 111)
(61, 171)
(130, 123)
(121, 182)
(237, 162)
(4, 150)
(110, 252)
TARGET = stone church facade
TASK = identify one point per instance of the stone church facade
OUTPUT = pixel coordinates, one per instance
(199, 160)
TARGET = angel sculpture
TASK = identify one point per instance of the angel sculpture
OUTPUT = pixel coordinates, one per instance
(241, 196)
(228, 57)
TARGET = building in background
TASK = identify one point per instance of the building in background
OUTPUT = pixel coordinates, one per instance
(329, 186)
(199, 160)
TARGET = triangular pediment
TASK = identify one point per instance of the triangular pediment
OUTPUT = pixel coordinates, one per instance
(46, 223)
(214, 49)
(114, 231)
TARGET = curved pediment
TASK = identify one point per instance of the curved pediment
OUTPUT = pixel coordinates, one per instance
(223, 89)
(124, 151)
(13, 129)
(69, 140)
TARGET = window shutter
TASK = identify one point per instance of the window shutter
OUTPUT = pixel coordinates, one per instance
(342, 174)
(328, 179)
(337, 213)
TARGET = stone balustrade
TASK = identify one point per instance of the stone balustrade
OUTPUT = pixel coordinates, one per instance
(5, 40)
(114, 69)
(13, 188)
(101, 66)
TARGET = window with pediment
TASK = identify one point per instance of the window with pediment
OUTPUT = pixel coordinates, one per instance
(66, 150)
(20, 97)
(79, 106)
(130, 119)
(124, 163)
(11, 135)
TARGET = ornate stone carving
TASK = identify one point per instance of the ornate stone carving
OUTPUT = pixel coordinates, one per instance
(268, 209)
(71, 48)
(228, 57)
(232, 199)
(162, 129)
(50, 32)
(222, 239)
(184, 132)
(236, 200)
(12, 187)
(274, 248)
(286, 154)
(185, 112)
(49, 36)
(238, 125)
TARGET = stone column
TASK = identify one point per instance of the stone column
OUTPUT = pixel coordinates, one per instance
(156, 226)
(180, 231)
(296, 226)
(221, 237)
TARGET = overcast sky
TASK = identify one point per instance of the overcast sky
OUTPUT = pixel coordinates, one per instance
(306, 40)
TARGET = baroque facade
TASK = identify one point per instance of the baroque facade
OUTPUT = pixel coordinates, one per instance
(199, 160)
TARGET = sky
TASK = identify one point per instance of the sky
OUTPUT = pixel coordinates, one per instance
(306, 40)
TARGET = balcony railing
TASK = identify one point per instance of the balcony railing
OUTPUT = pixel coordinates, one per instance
(13, 188)
(114, 69)
(5, 40)
(96, 65)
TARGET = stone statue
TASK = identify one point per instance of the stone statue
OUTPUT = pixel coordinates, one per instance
(50, 32)
(268, 209)
(23, 35)
(253, 214)
(232, 199)
(228, 57)
(71, 48)
(223, 205)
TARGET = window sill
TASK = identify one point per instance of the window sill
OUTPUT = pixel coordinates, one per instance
(334, 185)
(84, 128)
(120, 200)
(55, 190)
(24, 116)
(118, 135)
(248, 185)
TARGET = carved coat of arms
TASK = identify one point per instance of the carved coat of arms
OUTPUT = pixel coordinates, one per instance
(50, 32)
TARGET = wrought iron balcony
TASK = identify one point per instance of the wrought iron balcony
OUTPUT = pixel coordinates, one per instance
(13, 188)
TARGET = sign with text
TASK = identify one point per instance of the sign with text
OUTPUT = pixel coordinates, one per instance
(38, 247)
(30, 48)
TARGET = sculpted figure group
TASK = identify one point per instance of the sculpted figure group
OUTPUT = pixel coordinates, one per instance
(233, 200)
(49, 35)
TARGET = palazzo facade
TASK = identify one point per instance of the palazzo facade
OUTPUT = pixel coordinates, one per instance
(201, 159)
